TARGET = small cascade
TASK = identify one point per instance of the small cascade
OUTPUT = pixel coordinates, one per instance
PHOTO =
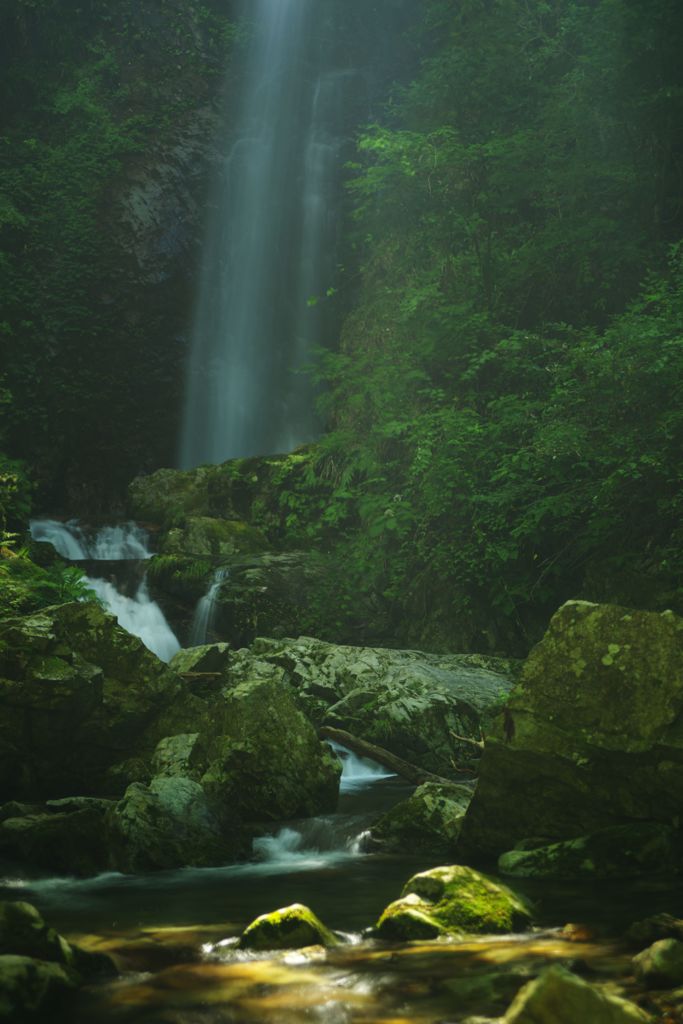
(358, 772)
(126, 543)
(205, 613)
(316, 842)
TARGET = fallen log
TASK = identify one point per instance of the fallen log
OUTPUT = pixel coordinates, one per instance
(407, 771)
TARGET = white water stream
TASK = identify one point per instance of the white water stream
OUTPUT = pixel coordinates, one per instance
(205, 612)
(139, 614)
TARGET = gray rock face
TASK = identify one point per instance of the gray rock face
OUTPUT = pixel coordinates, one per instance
(413, 704)
(592, 735)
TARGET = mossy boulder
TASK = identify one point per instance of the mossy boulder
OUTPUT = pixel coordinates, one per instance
(453, 900)
(413, 704)
(169, 496)
(623, 851)
(24, 932)
(263, 757)
(661, 965)
(559, 997)
(79, 695)
(207, 658)
(592, 735)
(67, 837)
(170, 824)
(205, 537)
(429, 821)
(290, 928)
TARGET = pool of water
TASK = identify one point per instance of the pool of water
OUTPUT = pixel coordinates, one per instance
(172, 933)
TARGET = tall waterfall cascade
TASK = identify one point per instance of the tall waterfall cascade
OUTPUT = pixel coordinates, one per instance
(136, 612)
(270, 249)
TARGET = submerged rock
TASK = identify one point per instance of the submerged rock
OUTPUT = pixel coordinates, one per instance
(453, 900)
(623, 851)
(591, 735)
(290, 928)
(429, 821)
(558, 997)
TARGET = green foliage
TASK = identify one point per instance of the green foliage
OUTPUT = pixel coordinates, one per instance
(505, 410)
(25, 587)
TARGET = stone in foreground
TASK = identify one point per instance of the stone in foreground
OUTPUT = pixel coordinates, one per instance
(290, 928)
(31, 989)
(661, 965)
(453, 900)
(592, 735)
(558, 997)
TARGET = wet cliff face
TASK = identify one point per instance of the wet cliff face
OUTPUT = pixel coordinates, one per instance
(109, 128)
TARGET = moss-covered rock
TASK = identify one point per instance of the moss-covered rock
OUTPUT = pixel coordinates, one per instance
(68, 840)
(558, 997)
(169, 824)
(453, 900)
(211, 658)
(290, 928)
(78, 694)
(661, 965)
(263, 758)
(24, 932)
(32, 990)
(623, 851)
(592, 735)
(413, 704)
(429, 821)
(205, 537)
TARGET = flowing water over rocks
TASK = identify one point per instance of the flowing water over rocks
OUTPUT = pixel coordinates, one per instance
(123, 548)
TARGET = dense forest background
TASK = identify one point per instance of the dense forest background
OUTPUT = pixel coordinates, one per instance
(503, 401)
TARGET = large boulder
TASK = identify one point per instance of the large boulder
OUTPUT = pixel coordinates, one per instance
(38, 967)
(592, 735)
(263, 759)
(216, 539)
(558, 997)
(622, 851)
(62, 836)
(85, 709)
(78, 695)
(32, 990)
(429, 821)
(413, 704)
(453, 900)
(169, 824)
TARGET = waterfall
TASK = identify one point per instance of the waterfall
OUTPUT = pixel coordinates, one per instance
(205, 613)
(270, 246)
(139, 614)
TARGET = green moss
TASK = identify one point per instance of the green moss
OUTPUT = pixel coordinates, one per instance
(452, 901)
(292, 927)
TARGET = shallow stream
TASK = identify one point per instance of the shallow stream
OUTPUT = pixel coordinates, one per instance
(173, 933)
